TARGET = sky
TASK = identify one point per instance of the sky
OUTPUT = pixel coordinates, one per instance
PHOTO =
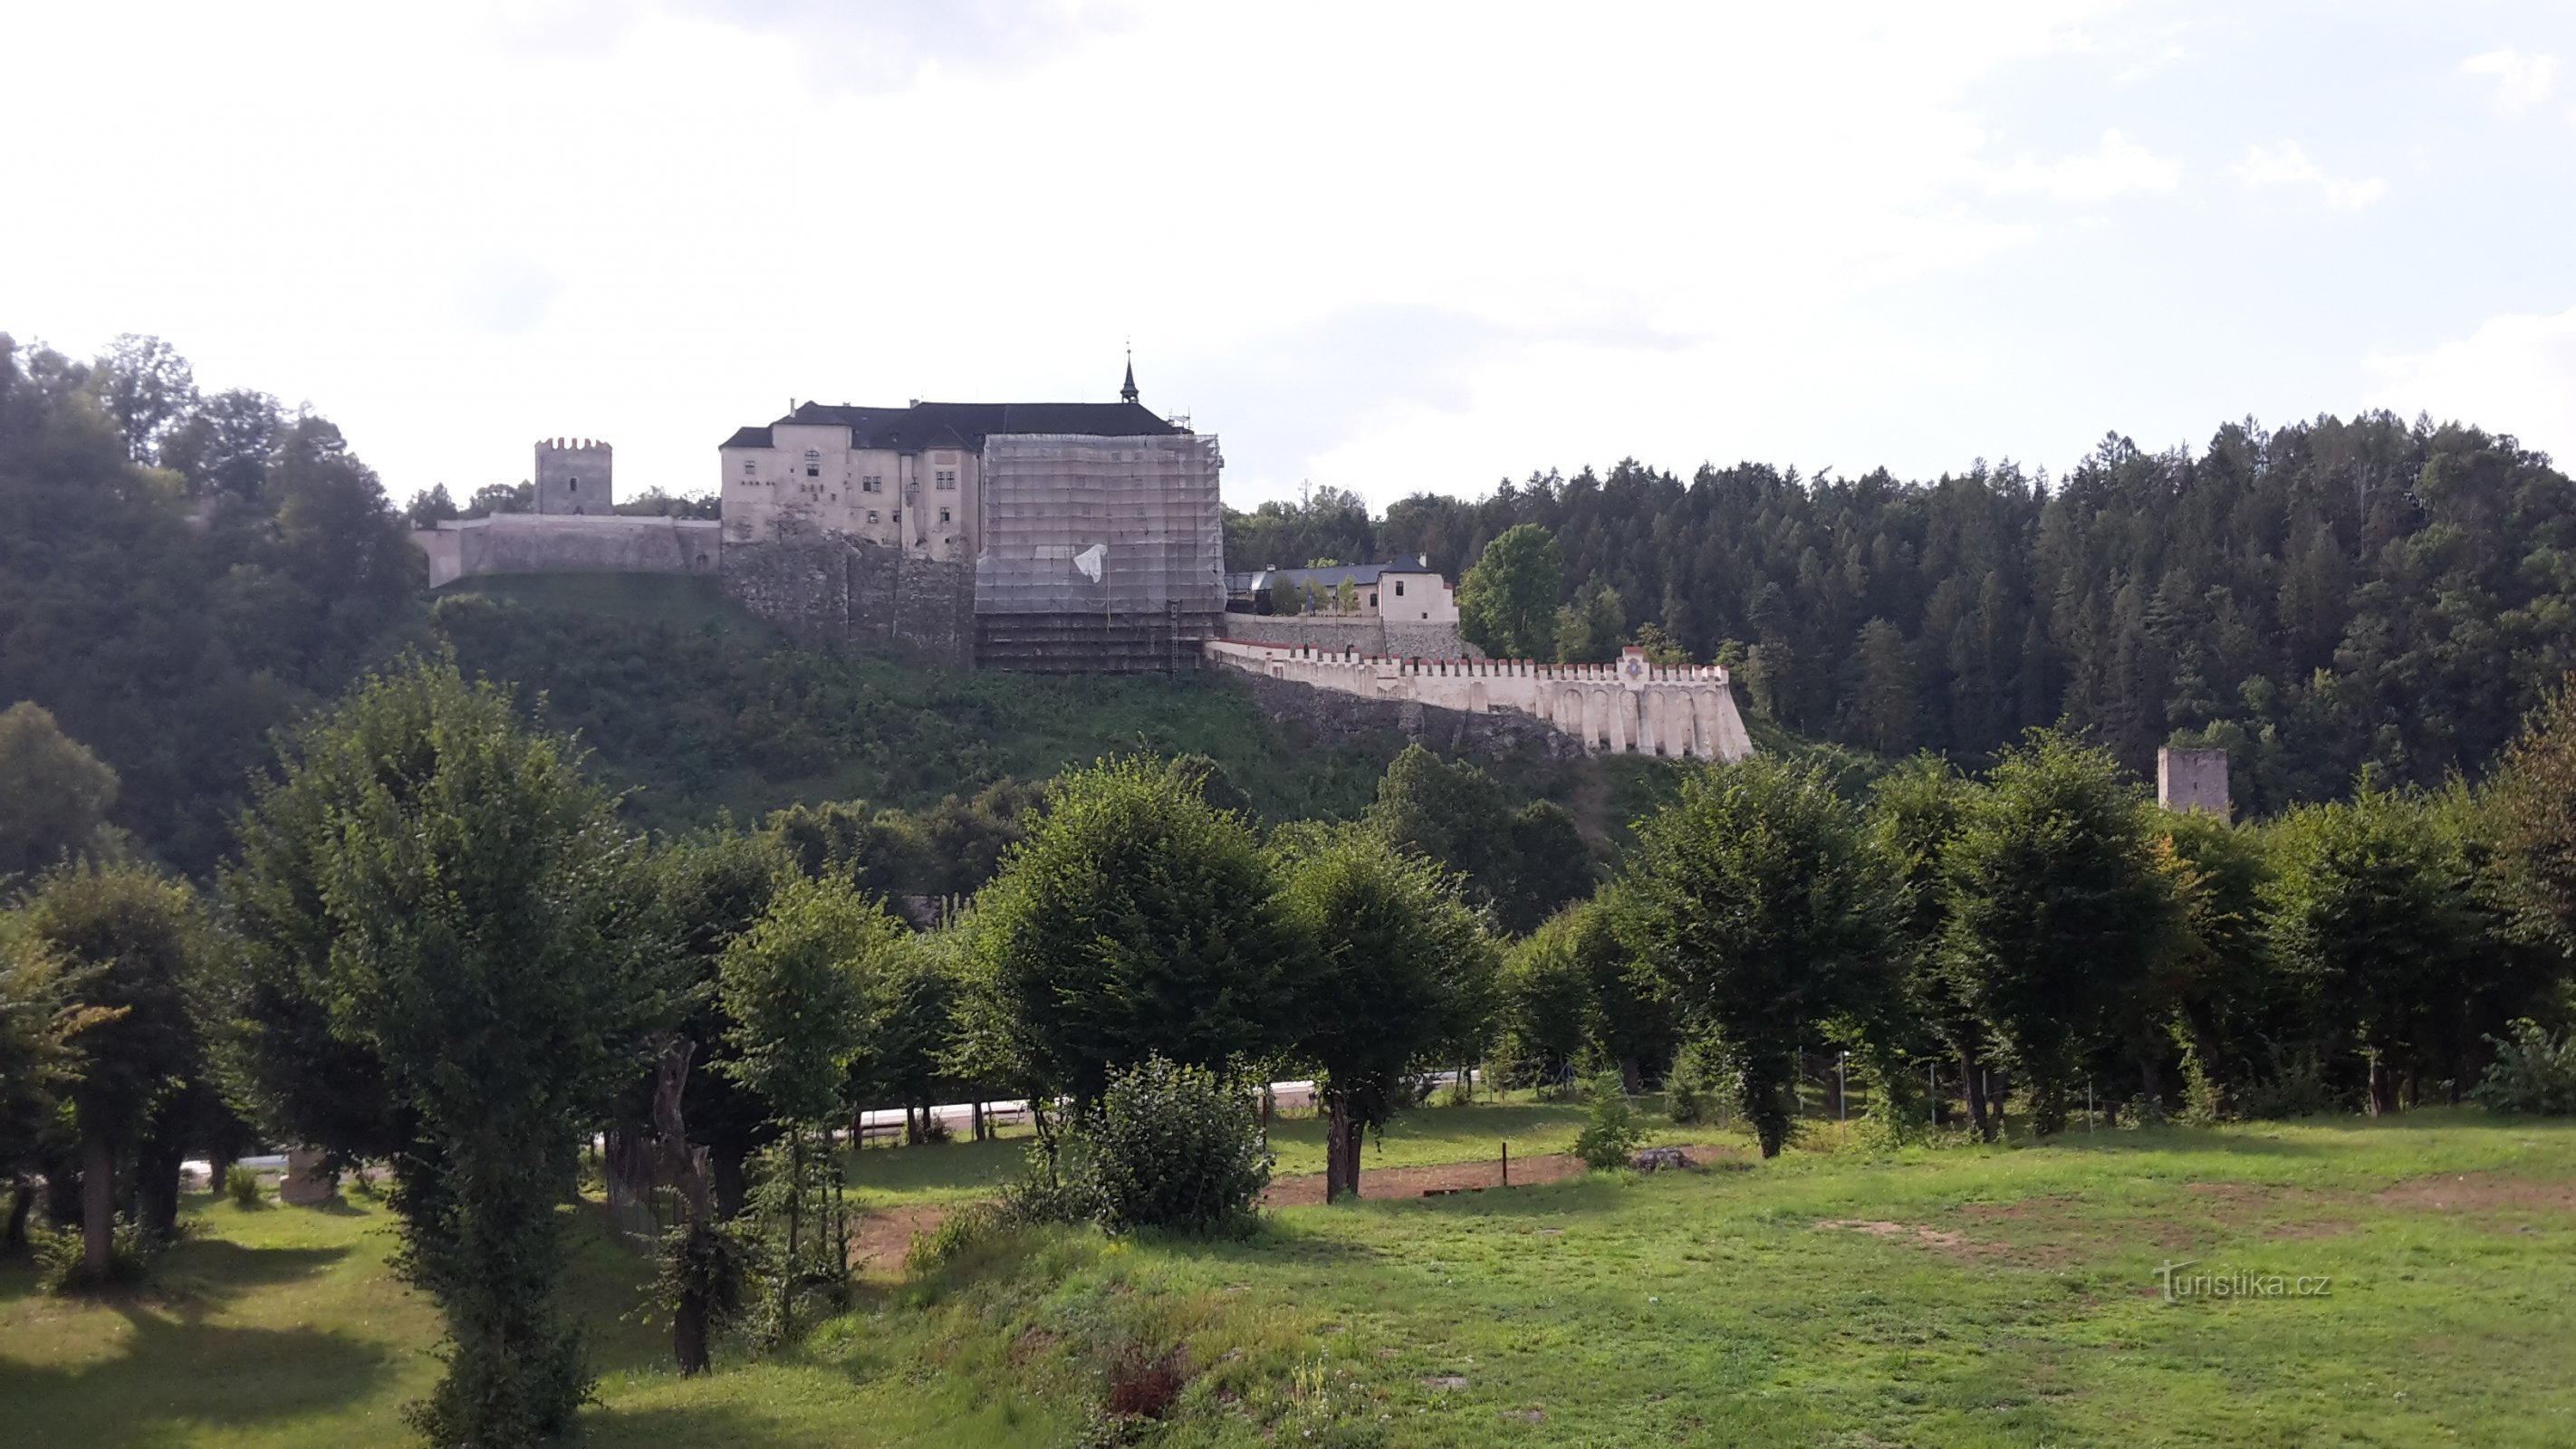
(1390, 247)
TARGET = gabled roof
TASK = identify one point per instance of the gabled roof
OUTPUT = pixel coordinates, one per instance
(964, 425)
(1330, 577)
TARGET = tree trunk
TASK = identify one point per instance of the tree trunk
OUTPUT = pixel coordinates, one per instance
(1341, 1163)
(1974, 1074)
(730, 1187)
(689, 1332)
(98, 1200)
(156, 1188)
(1631, 1079)
(22, 1202)
(975, 1119)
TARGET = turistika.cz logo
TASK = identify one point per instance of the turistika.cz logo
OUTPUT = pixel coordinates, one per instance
(2180, 1286)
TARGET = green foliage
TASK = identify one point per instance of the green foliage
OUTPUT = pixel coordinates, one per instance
(1396, 967)
(2061, 910)
(1757, 903)
(699, 709)
(434, 900)
(1507, 602)
(797, 987)
(241, 1185)
(1610, 1128)
(2534, 1073)
(2377, 912)
(1571, 991)
(1695, 1089)
(1173, 1146)
(1134, 921)
(64, 1269)
(171, 646)
(2533, 799)
(1323, 523)
(1520, 864)
(54, 794)
(1591, 629)
(2314, 598)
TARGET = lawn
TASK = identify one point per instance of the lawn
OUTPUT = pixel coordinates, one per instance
(1958, 1296)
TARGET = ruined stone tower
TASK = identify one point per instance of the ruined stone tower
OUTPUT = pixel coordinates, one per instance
(573, 476)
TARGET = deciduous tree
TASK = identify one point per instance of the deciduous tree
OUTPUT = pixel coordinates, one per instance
(1755, 898)
(434, 899)
(1395, 958)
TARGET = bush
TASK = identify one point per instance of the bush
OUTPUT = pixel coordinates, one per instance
(241, 1184)
(2296, 1087)
(1610, 1131)
(62, 1266)
(2533, 1073)
(1171, 1146)
(1695, 1089)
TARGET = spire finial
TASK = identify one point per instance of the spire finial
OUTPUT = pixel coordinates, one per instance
(1127, 390)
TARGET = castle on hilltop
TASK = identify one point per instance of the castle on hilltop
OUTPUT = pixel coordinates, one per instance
(1070, 538)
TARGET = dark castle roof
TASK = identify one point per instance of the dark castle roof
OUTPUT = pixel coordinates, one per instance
(965, 425)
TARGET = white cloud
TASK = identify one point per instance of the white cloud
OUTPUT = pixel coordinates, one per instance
(2516, 374)
(2117, 167)
(2287, 164)
(2521, 81)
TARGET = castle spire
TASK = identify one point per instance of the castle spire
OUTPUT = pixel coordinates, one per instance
(1127, 391)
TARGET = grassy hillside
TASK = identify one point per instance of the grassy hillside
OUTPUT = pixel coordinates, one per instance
(1960, 1296)
(700, 708)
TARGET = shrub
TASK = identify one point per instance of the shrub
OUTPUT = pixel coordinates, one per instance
(2533, 1073)
(2296, 1087)
(1171, 1146)
(1610, 1131)
(241, 1184)
(62, 1267)
(1695, 1089)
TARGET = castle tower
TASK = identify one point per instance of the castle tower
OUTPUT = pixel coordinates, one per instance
(1127, 390)
(573, 476)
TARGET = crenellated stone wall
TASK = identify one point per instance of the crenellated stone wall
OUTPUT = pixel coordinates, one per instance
(1632, 706)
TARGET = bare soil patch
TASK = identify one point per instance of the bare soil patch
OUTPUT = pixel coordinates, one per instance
(1392, 1182)
(883, 1236)
(2476, 1192)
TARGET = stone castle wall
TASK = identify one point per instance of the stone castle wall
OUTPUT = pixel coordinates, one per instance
(1339, 717)
(533, 543)
(1630, 706)
(840, 592)
(1397, 638)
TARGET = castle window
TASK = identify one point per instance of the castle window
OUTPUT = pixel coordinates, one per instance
(872, 483)
(898, 515)
(749, 468)
(1372, 601)
(813, 463)
(872, 515)
(576, 485)
(1399, 588)
(947, 478)
(943, 515)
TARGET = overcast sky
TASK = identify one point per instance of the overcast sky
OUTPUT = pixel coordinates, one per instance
(1389, 247)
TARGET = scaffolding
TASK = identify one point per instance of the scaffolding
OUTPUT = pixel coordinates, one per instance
(1099, 554)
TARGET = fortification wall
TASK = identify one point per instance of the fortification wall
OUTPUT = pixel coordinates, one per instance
(1629, 707)
(1401, 639)
(532, 543)
(1339, 717)
(841, 592)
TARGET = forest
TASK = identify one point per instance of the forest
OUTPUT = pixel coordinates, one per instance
(2318, 599)
(294, 854)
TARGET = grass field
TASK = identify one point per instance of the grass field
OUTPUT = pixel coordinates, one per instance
(1953, 1296)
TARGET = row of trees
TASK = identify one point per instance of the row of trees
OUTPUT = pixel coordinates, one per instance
(2047, 926)
(436, 947)
(2316, 598)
